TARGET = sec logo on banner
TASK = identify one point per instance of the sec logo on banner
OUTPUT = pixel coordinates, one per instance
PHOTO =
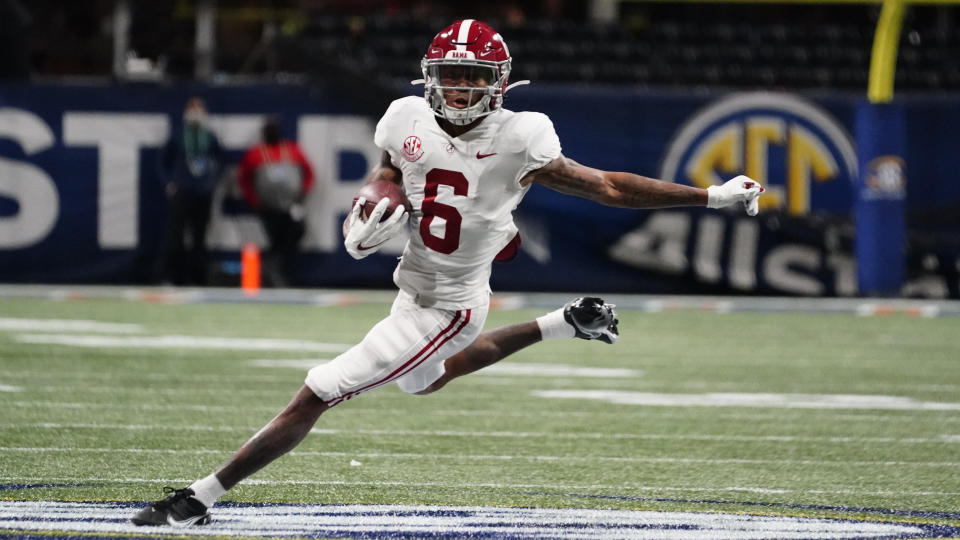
(885, 178)
(803, 157)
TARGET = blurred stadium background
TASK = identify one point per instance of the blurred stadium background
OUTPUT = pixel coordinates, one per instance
(689, 91)
(773, 370)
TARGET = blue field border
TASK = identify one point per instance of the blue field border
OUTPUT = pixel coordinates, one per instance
(929, 530)
(851, 509)
(504, 300)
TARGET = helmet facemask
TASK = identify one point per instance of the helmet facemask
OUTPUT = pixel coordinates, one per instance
(476, 85)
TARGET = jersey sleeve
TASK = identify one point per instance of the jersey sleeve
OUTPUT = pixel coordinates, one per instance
(385, 136)
(540, 142)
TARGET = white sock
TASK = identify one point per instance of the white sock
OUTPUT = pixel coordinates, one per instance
(207, 490)
(554, 326)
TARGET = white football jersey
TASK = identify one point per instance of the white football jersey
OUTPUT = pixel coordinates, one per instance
(463, 191)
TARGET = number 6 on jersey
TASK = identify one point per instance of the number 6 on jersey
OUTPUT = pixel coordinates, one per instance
(450, 241)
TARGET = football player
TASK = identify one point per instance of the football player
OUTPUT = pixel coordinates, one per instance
(464, 162)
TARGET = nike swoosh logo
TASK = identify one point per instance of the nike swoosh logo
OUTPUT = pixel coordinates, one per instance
(362, 247)
(184, 523)
(481, 156)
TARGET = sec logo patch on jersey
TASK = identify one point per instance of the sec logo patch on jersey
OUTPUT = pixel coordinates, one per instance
(412, 148)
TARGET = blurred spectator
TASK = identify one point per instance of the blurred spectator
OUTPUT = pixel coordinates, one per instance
(275, 178)
(190, 166)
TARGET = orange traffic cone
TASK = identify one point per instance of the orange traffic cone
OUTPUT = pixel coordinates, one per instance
(250, 269)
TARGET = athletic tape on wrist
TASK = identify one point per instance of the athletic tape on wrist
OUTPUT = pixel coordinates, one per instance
(554, 326)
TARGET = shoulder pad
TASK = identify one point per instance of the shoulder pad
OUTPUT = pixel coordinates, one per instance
(522, 127)
(397, 113)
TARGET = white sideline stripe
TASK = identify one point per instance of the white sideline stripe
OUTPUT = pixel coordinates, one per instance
(481, 485)
(181, 342)
(740, 399)
(67, 325)
(423, 521)
(8, 388)
(500, 368)
(489, 457)
(499, 434)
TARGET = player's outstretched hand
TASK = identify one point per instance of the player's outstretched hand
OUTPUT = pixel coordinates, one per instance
(740, 189)
(366, 236)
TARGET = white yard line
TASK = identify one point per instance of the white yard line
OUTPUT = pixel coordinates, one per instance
(67, 325)
(181, 342)
(488, 457)
(782, 415)
(285, 391)
(949, 438)
(744, 399)
(31, 404)
(500, 368)
(500, 378)
(9, 388)
(480, 485)
(758, 400)
(133, 378)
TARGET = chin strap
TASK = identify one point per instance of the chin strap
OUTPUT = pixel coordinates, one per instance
(418, 81)
(480, 106)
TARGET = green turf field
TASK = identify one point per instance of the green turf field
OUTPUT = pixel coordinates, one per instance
(693, 411)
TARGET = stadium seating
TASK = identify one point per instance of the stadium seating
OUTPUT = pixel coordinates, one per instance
(666, 45)
(649, 44)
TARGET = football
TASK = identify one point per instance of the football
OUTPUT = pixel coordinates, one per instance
(376, 190)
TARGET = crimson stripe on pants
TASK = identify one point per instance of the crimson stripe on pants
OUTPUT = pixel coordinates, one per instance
(465, 322)
(416, 360)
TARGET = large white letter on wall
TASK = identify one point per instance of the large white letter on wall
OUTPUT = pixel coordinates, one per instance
(119, 138)
(28, 185)
(323, 138)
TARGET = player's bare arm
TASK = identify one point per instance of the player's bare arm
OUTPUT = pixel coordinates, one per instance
(385, 170)
(630, 190)
(614, 188)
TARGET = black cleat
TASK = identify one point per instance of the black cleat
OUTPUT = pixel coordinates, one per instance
(180, 509)
(592, 318)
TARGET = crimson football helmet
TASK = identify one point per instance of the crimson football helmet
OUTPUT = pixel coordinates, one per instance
(471, 58)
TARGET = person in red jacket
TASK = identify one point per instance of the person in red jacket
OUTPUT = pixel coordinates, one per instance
(275, 178)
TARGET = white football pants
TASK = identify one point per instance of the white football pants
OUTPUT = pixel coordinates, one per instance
(408, 347)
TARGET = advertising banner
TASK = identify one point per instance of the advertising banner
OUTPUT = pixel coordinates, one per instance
(82, 200)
